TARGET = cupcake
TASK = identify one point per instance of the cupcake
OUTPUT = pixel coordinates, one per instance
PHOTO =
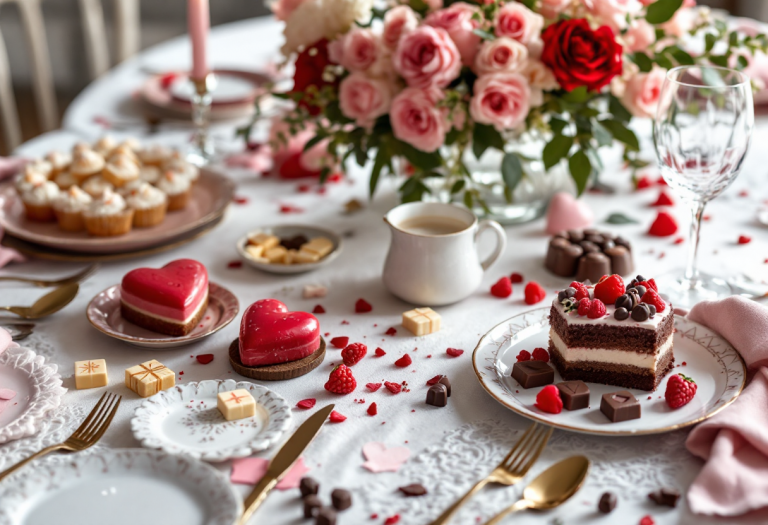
(123, 151)
(126, 189)
(149, 205)
(97, 185)
(108, 215)
(38, 201)
(105, 145)
(80, 147)
(86, 164)
(120, 170)
(39, 166)
(59, 161)
(177, 187)
(28, 180)
(155, 155)
(64, 180)
(182, 167)
(69, 207)
(132, 143)
(150, 174)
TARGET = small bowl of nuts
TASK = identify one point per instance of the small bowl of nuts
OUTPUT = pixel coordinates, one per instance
(290, 248)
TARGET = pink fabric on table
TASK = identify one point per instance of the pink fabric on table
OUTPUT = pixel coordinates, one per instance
(10, 166)
(248, 471)
(6, 341)
(9, 255)
(734, 442)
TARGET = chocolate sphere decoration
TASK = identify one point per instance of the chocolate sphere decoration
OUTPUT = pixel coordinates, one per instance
(641, 312)
(607, 245)
(621, 314)
(576, 236)
(565, 294)
(588, 254)
(626, 301)
(589, 246)
(652, 310)
(640, 290)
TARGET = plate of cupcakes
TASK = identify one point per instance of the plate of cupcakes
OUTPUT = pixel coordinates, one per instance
(609, 359)
(163, 307)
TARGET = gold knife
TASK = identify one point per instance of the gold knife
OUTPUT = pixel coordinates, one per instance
(284, 460)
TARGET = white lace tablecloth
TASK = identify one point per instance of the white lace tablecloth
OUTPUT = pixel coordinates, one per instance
(450, 447)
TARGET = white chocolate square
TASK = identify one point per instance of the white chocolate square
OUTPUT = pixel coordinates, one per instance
(91, 374)
(314, 290)
(290, 256)
(255, 250)
(306, 257)
(149, 378)
(421, 321)
(236, 404)
(276, 254)
(319, 245)
(264, 240)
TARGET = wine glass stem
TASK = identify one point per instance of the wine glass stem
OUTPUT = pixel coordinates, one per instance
(692, 268)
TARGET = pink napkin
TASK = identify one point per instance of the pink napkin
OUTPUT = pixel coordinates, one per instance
(10, 166)
(9, 255)
(734, 442)
(248, 471)
(6, 341)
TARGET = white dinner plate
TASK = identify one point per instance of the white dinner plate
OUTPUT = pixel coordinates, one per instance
(119, 487)
(286, 231)
(184, 420)
(710, 360)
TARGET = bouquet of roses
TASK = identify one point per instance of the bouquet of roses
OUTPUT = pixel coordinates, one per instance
(421, 80)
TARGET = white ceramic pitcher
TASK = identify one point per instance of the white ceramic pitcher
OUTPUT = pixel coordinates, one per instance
(433, 270)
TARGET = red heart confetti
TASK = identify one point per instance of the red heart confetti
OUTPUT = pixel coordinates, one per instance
(372, 410)
(661, 182)
(663, 200)
(362, 306)
(548, 400)
(288, 208)
(647, 520)
(379, 352)
(643, 182)
(318, 309)
(340, 342)
(306, 404)
(239, 199)
(743, 193)
(679, 240)
(303, 188)
(392, 520)
(435, 380)
(204, 359)
(663, 226)
(502, 288)
(373, 387)
(335, 417)
(454, 352)
(743, 239)
(516, 278)
(404, 361)
(391, 331)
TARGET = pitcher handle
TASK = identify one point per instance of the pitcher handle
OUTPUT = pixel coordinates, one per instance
(501, 241)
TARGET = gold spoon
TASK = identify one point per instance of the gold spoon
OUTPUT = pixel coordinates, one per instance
(47, 304)
(550, 488)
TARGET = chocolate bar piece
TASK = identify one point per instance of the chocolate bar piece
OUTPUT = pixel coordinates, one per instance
(532, 374)
(607, 502)
(414, 489)
(312, 504)
(445, 381)
(620, 406)
(665, 496)
(308, 486)
(575, 394)
(341, 499)
(326, 516)
(295, 242)
(437, 395)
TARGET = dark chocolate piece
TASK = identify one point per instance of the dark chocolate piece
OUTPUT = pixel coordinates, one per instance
(621, 259)
(447, 382)
(575, 236)
(437, 395)
(326, 516)
(607, 502)
(308, 486)
(532, 374)
(341, 499)
(562, 257)
(566, 294)
(589, 247)
(620, 314)
(295, 242)
(652, 310)
(641, 312)
(626, 301)
(621, 241)
(620, 406)
(311, 505)
(414, 489)
(593, 266)
(596, 238)
(575, 394)
(591, 231)
(665, 496)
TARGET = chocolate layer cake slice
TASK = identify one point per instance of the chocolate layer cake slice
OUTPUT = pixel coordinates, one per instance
(627, 342)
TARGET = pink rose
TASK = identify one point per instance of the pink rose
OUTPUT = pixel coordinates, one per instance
(642, 92)
(427, 57)
(357, 50)
(539, 76)
(516, 21)
(364, 99)
(282, 9)
(417, 120)
(398, 21)
(501, 100)
(640, 36)
(434, 5)
(500, 55)
(613, 13)
(680, 23)
(551, 8)
(457, 20)
(285, 146)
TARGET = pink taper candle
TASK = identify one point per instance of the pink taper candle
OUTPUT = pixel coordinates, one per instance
(199, 21)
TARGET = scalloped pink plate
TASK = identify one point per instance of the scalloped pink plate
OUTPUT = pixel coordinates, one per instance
(104, 314)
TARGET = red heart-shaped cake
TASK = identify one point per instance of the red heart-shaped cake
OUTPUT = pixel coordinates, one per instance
(169, 300)
(270, 334)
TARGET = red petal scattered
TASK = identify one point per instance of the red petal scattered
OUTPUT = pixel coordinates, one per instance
(743, 193)
(373, 387)
(306, 404)
(391, 331)
(434, 380)
(454, 352)
(335, 417)
(379, 352)
(239, 199)
(663, 200)
(318, 309)
(362, 306)
(643, 182)
(661, 182)
(204, 359)
(235, 264)
(404, 361)
(372, 410)
(743, 239)
(334, 177)
(395, 388)
(392, 520)
(303, 188)
(679, 240)
(663, 226)
(516, 278)
(340, 342)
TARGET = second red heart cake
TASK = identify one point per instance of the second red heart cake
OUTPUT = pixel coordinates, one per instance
(270, 334)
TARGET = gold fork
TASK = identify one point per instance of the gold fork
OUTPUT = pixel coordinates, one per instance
(86, 434)
(511, 469)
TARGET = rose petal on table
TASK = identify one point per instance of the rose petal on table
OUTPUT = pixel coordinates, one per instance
(248, 471)
(379, 458)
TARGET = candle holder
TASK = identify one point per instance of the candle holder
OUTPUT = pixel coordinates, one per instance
(202, 150)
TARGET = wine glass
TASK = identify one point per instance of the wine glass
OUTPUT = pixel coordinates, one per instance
(701, 134)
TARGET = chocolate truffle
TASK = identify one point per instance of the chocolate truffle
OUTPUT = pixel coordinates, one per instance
(311, 505)
(620, 406)
(445, 381)
(341, 499)
(308, 486)
(532, 374)
(437, 395)
(593, 266)
(575, 394)
(607, 502)
(326, 516)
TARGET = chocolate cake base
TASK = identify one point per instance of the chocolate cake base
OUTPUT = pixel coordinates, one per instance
(279, 371)
(159, 325)
(610, 374)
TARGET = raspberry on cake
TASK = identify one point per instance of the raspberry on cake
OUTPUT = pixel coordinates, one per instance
(629, 344)
(170, 300)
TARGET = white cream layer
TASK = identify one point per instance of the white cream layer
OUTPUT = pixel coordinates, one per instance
(573, 317)
(168, 319)
(611, 356)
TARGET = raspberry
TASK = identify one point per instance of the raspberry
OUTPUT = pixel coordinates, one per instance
(650, 284)
(534, 293)
(404, 361)
(306, 404)
(743, 239)
(647, 520)
(548, 400)
(539, 354)
(353, 353)
(335, 417)
(373, 387)
(643, 182)
(523, 355)
(596, 309)
(434, 380)
(454, 352)
(379, 352)
(680, 390)
(502, 288)
(341, 381)
(663, 200)
(204, 359)
(663, 226)
(391, 331)
(582, 291)
(318, 310)
(340, 342)
(651, 297)
(516, 278)
(392, 520)
(584, 306)
(609, 288)
(362, 306)
(372, 410)
(395, 388)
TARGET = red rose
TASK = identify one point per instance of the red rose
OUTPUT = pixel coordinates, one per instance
(310, 66)
(579, 56)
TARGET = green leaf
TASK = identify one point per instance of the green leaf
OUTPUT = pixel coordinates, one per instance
(683, 58)
(618, 110)
(664, 61)
(557, 125)
(578, 95)
(424, 160)
(733, 39)
(643, 61)
(555, 150)
(620, 218)
(602, 135)
(511, 170)
(458, 186)
(719, 60)
(468, 200)
(484, 137)
(743, 62)
(710, 40)
(382, 158)
(622, 133)
(485, 35)
(662, 10)
(313, 141)
(581, 169)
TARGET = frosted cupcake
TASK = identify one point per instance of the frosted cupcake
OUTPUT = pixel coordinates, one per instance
(86, 164)
(155, 155)
(28, 180)
(131, 143)
(123, 151)
(64, 180)
(149, 205)
(59, 161)
(105, 145)
(39, 166)
(38, 201)
(177, 187)
(97, 185)
(126, 189)
(121, 170)
(182, 167)
(69, 207)
(150, 174)
(108, 215)
(80, 147)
